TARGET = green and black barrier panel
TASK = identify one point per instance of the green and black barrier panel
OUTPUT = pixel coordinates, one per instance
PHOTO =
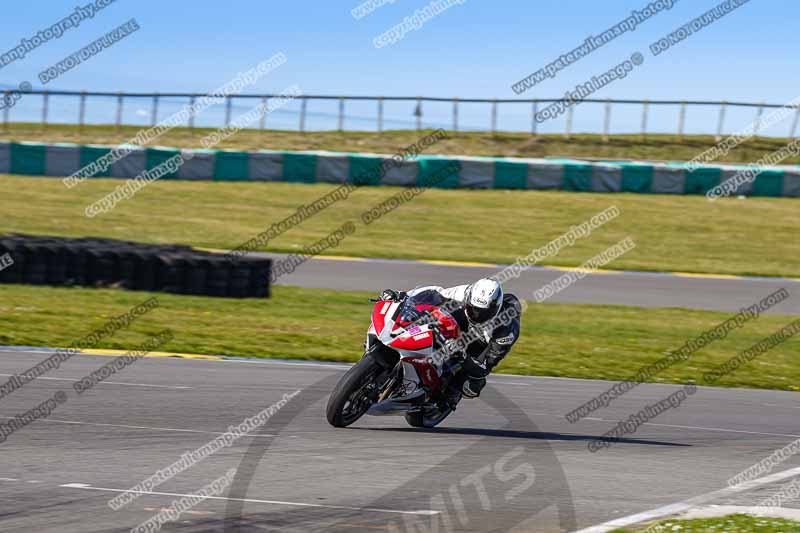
(646, 177)
(96, 262)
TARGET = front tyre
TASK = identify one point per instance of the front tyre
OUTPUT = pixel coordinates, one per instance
(352, 396)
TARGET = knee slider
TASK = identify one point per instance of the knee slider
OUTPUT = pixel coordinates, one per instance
(472, 387)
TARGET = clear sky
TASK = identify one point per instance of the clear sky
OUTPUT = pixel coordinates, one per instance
(476, 48)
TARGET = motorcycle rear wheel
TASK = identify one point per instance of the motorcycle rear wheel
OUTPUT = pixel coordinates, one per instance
(349, 401)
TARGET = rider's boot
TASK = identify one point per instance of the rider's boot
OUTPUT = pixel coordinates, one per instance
(472, 387)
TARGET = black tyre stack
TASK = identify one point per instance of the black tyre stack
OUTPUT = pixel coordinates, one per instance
(96, 262)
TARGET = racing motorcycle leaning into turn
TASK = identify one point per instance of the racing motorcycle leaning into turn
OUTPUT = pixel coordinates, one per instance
(407, 365)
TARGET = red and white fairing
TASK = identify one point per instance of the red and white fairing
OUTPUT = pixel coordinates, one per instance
(414, 342)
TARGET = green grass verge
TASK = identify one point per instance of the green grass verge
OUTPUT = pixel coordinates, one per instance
(757, 236)
(583, 341)
(653, 147)
(737, 523)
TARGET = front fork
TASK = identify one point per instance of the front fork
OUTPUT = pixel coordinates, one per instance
(388, 387)
(402, 373)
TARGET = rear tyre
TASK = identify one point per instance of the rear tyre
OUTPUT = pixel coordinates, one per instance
(351, 397)
(427, 418)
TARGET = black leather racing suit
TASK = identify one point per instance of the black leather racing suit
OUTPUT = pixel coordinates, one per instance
(489, 342)
(490, 346)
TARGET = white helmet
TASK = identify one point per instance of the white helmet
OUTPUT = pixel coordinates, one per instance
(482, 300)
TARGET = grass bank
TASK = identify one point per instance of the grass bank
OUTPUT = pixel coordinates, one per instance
(738, 523)
(757, 236)
(501, 144)
(582, 341)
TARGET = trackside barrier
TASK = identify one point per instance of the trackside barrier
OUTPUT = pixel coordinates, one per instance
(61, 160)
(96, 262)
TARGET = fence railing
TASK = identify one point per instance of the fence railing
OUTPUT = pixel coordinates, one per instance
(419, 101)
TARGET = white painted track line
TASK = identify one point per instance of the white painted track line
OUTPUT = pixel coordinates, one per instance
(685, 505)
(112, 383)
(84, 486)
(76, 422)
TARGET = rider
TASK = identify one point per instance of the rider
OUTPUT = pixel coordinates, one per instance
(474, 307)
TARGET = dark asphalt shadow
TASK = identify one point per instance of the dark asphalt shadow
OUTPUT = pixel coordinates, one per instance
(512, 434)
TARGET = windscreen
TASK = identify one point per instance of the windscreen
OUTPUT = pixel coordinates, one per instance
(416, 307)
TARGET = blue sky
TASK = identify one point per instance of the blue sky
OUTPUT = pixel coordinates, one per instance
(474, 49)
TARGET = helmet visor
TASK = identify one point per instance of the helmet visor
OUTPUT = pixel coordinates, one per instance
(481, 314)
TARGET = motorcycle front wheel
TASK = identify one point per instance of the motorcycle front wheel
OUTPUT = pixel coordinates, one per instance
(352, 396)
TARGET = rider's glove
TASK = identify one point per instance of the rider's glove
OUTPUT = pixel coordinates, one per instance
(395, 296)
(451, 347)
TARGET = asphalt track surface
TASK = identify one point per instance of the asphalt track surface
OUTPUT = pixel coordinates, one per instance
(643, 289)
(506, 462)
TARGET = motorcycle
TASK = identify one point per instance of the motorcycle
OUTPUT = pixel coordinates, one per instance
(406, 367)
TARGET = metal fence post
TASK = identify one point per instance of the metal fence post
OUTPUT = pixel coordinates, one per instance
(6, 109)
(568, 130)
(645, 109)
(82, 111)
(757, 121)
(262, 119)
(45, 108)
(303, 108)
(192, 113)
(154, 114)
(118, 120)
(380, 114)
(720, 122)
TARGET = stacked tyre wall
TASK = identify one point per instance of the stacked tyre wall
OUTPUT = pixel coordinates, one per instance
(95, 262)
